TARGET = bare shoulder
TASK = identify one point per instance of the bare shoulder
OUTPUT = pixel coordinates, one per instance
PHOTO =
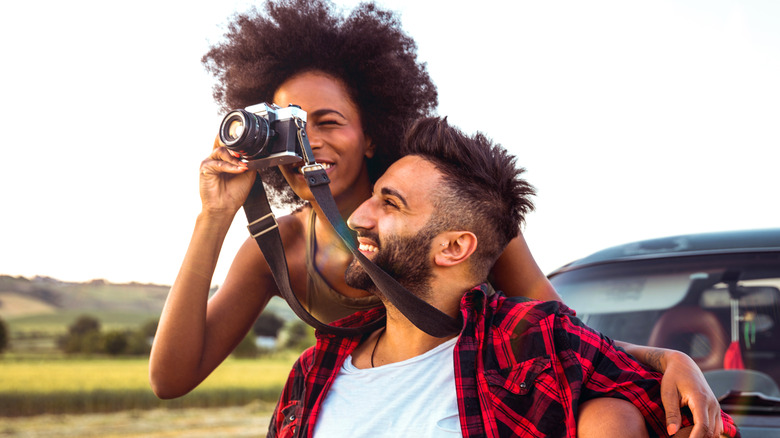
(250, 270)
(293, 227)
(292, 230)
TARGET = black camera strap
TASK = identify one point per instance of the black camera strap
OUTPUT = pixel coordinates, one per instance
(264, 229)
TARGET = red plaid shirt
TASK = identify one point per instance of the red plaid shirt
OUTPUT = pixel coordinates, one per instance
(522, 368)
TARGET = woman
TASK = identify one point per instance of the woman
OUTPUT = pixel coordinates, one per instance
(360, 83)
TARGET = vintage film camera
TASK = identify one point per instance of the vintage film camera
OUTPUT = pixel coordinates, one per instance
(265, 135)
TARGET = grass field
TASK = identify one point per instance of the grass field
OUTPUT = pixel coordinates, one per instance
(43, 390)
(227, 422)
(59, 386)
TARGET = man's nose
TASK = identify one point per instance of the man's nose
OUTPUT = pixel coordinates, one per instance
(361, 218)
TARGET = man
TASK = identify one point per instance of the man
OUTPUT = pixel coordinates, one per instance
(436, 222)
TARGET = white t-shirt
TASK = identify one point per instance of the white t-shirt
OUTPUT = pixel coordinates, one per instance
(415, 397)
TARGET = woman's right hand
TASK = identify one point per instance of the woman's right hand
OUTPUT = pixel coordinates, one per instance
(225, 181)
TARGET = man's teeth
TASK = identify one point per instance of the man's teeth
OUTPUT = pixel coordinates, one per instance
(325, 166)
(368, 248)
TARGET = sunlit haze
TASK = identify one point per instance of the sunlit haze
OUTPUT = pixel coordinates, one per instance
(634, 119)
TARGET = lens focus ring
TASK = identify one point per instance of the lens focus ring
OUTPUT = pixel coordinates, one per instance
(245, 133)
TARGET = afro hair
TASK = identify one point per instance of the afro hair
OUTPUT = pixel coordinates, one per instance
(366, 50)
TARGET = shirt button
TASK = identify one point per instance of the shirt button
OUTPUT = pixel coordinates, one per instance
(523, 385)
(291, 417)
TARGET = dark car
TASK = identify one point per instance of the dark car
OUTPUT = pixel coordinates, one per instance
(714, 296)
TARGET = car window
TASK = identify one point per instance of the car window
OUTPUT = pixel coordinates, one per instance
(722, 310)
(625, 287)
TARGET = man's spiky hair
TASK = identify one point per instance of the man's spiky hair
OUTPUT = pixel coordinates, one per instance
(482, 190)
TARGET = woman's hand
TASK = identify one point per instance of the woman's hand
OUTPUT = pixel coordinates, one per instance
(683, 384)
(225, 181)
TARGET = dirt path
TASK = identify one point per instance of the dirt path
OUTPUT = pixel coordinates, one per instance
(246, 421)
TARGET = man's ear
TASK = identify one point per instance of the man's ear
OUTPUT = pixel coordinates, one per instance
(453, 247)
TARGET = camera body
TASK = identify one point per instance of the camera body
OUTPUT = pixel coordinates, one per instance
(264, 135)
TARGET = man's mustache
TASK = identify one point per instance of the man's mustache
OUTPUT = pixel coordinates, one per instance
(372, 236)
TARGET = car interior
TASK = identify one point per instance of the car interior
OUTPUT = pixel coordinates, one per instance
(724, 312)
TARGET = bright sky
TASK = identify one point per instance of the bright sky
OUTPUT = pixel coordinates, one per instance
(634, 119)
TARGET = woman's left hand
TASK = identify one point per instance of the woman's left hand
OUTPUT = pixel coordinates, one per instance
(683, 384)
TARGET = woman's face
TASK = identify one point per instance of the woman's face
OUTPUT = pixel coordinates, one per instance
(335, 134)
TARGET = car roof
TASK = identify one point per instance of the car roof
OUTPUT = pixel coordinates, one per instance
(726, 242)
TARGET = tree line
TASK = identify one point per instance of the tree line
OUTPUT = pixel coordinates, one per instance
(86, 336)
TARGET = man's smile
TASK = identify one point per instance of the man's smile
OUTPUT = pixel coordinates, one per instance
(365, 247)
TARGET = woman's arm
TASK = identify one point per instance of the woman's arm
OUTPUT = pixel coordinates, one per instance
(517, 274)
(683, 384)
(194, 334)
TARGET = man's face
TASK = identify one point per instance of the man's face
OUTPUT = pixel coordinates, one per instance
(406, 259)
(394, 227)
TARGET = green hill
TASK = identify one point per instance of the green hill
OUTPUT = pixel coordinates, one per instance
(39, 310)
(44, 306)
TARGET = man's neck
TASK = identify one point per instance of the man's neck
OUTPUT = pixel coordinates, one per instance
(400, 339)
(394, 343)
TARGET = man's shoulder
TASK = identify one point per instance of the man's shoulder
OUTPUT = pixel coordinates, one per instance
(306, 359)
(512, 311)
(521, 304)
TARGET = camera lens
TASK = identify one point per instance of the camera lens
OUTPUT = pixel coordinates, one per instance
(235, 129)
(245, 133)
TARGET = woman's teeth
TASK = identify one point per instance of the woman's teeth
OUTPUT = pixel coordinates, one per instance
(325, 166)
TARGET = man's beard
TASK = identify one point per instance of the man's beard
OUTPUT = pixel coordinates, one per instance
(406, 259)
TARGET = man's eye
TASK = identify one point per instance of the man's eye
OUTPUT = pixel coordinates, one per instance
(391, 204)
